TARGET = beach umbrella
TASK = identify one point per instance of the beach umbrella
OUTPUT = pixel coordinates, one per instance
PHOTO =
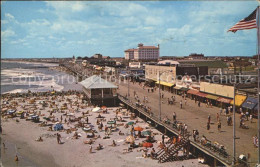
(104, 107)
(130, 139)
(146, 133)
(11, 111)
(97, 109)
(111, 122)
(130, 123)
(147, 144)
(138, 128)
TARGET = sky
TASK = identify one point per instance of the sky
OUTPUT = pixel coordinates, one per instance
(39, 29)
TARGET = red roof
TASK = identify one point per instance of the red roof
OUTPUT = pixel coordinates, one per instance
(148, 47)
(191, 91)
(201, 94)
(130, 50)
(224, 100)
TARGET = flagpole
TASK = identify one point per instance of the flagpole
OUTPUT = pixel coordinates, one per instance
(258, 64)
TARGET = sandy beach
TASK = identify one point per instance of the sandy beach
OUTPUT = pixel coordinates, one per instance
(20, 136)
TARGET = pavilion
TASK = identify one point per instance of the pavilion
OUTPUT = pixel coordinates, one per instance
(99, 91)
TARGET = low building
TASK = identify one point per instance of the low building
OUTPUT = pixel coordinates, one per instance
(214, 66)
(99, 91)
(195, 56)
(97, 56)
(135, 64)
(171, 74)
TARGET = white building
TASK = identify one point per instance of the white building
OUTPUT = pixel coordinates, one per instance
(143, 53)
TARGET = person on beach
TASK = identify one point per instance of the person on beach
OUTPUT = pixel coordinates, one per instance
(16, 158)
(90, 148)
(114, 143)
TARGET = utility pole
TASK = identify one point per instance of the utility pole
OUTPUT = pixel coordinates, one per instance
(159, 97)
(234, 123)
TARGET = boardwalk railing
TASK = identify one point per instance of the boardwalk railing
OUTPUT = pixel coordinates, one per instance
(219, 154)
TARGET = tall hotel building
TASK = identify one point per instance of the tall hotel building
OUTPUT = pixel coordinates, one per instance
(143, 53)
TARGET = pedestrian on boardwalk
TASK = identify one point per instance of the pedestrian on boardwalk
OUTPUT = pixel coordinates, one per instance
(181, 104)
(251, 118)
(199, 103)
(217, 117)
(208, 126)
(220, 111)
(209, 117)
(219, 126)
(163, 137)
(185, 101)
(247, 115)
(174, 116)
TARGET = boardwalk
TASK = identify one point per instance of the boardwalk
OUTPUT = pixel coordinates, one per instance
(196, 118)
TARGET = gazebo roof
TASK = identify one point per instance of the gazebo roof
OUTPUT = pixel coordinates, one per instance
(96, 82)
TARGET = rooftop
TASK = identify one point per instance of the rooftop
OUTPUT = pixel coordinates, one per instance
(96, 82)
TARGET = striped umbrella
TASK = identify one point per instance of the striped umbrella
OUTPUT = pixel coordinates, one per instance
(147, 144)
(138, 128)
(146, 133)
(130, 139)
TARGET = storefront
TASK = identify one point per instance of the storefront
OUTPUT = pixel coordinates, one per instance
(201, 97)
(192, 93)
(249, 104)
(212, 99)
(166, 86)
(177, 90)
(223, 102)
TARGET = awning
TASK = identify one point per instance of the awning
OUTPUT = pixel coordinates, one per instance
(165, 83)
(201, 94)
(184, 89)
(177, 87)
(250, 103)
(239, 99)
(224, 100)
(192, 91)
(212, 97)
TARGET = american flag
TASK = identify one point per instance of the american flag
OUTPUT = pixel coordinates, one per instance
(247, 23)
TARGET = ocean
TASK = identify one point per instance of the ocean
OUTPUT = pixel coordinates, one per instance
(36, 77)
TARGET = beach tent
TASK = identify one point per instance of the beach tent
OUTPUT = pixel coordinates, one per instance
(58, 126)
(97, 109)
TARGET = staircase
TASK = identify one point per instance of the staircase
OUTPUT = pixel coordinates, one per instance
(168, 154)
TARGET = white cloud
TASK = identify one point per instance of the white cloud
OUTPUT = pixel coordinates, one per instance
(18, 41)
(7, 33)
(9, 16)
(153, 20)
